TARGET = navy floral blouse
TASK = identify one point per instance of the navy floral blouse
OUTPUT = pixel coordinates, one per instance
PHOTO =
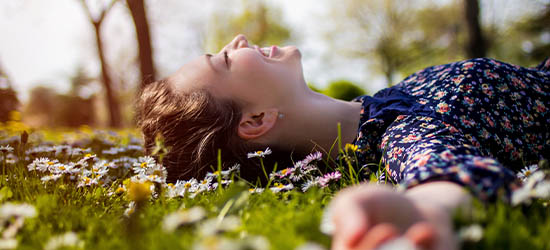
(472, 122)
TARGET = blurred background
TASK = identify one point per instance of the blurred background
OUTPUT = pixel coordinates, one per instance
(74, 63)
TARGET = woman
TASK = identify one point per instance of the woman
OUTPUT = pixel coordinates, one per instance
(443, 128)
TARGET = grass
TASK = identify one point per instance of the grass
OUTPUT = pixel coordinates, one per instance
(234, 218)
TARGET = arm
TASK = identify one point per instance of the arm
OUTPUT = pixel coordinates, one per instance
(367, 216)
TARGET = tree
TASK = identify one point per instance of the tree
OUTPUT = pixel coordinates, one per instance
(115, 119)
(536, 31)
(40, 108)
(476, 46)
(139, 16)
(260, 25)
(343, 90)
(46, 108)
(8, 97)
(384, 30)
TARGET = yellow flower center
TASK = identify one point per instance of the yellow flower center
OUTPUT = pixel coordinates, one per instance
(88, 155)
(50, 163)
(527, 173)
(217, 172)
(279, 185)
(284, 171)
(187, 185)
(119, 190)
(143, 164)
(61, 168)
(259, 152)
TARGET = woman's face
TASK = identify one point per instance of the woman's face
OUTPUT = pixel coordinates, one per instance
(254, 76)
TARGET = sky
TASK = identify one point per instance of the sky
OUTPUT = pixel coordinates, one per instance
(44, 42)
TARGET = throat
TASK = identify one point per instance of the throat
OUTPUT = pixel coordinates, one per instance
(319, 129)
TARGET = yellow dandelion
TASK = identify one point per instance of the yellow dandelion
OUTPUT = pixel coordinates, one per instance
(351, 147)
(139, 191)
(120, 190)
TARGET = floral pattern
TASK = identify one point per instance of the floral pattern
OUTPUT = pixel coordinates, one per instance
(472, 122)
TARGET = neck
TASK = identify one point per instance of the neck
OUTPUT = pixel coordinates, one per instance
(312, 122)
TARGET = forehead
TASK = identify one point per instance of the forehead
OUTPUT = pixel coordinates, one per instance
(196, 74)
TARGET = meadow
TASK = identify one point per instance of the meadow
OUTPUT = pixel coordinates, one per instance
(94, 189)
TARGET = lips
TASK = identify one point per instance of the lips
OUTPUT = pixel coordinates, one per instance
(274, 50)
(268, 52)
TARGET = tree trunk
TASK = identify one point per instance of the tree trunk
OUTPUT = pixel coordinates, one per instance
(137, 9)
(115, 117)
(476, 46)
(112, 102)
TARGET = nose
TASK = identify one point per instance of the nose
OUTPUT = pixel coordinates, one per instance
(240, 42)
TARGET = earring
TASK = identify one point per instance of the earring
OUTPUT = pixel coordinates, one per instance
(281, 115)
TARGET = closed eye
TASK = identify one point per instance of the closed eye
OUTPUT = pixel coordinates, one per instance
(226, 58)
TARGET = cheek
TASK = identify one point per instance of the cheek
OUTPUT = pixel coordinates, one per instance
(248, 62)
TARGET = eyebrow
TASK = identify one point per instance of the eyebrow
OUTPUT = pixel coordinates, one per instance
(209, 62)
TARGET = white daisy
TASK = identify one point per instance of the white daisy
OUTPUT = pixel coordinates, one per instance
(278, 187)
(41, 164)
(8, 210)
(205, 184)
(256, 190)
(66, 240)
(6, 149)
(130, 209)
(143, 163)
(260, 153)
(51, 177)
(113, 151)
(179, 218)
(309, 184)
(87, 181)
(527, 171)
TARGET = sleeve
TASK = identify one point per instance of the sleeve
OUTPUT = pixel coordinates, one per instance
(424, 149)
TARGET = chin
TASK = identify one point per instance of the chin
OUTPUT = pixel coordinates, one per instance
(294, 51)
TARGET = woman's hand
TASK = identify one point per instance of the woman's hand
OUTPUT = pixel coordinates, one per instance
(367, 216)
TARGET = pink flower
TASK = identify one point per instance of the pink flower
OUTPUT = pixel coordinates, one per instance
(329, 177)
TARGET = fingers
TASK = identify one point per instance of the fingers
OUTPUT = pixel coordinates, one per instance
(422, 234)
(377, 236)
(350, 221)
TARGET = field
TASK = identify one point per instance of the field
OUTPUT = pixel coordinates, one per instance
(95, 190)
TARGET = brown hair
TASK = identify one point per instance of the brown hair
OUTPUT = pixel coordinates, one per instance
(194, 126)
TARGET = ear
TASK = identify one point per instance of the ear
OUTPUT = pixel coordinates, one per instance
(255, 124)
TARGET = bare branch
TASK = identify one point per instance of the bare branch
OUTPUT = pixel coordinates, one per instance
(103, 12)
(87, 10)
(106, 10)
